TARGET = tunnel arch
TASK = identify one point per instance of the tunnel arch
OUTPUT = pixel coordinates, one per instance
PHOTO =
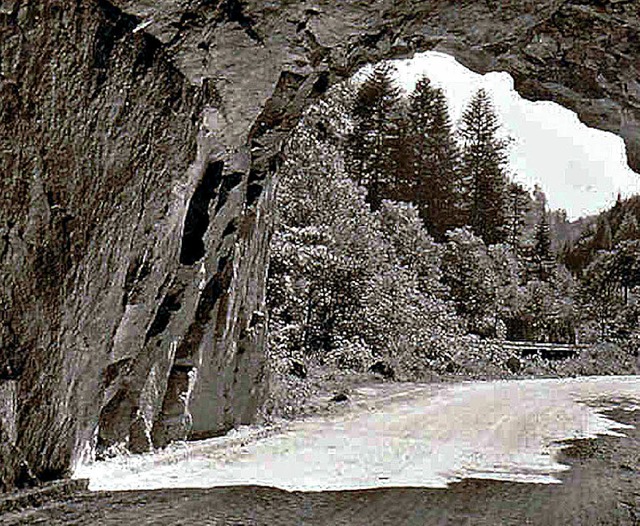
(222, 84)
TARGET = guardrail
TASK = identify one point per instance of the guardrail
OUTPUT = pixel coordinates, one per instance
(550, 351)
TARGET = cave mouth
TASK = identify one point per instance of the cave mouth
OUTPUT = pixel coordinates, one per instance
(374, 32)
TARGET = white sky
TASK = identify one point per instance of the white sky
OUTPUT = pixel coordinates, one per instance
(579, 168)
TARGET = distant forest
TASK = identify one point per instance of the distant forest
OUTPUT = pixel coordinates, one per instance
(402, 237)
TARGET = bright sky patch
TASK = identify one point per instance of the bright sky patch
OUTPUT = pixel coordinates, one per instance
(581, 169)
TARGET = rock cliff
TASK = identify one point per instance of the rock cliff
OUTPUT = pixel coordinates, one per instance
(138, 145)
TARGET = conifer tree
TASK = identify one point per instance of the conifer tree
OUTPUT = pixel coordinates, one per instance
(628, 229)
(484, 169)
(433, 158)
(375, 137)
(543, 258)
(603, 238)
(626, 262)
(518, 205)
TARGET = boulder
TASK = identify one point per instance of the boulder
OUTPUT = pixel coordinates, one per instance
(298, 369)
(340, 397)
(383, 369)
(513, 364)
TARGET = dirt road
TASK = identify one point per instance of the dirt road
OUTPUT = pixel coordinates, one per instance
(421, 437)
(602, 486)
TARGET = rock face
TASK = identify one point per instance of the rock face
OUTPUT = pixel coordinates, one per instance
(138, 144)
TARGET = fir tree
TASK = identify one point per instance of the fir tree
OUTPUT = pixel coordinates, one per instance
(603, 238)
(577, 255)
(433, 153)
(518, 205)
(376, 134)
(543, 258)
(628, 229)
(626, 266)
(484, 169)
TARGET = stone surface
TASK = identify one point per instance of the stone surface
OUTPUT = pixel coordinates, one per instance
(9, 460)
(138, 143)
(8, 410)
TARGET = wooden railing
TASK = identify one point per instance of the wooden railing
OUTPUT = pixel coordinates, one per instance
(545, 350)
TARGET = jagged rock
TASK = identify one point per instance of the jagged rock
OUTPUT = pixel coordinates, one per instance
(138, 147)
(8, 411)
(7, 467)
(140, 435)
(174, 421)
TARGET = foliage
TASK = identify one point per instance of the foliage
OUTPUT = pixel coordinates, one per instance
(349, 285)
(433, 156)
(604, 292)
(549, 313)
(483, 168)
(414, 247)
(376, 132)
(607, 230)
(470, 276)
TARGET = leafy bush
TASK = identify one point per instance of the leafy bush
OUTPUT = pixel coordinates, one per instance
(348, 285)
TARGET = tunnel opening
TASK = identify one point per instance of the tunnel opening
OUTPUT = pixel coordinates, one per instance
(324, 197)
(385, 38)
